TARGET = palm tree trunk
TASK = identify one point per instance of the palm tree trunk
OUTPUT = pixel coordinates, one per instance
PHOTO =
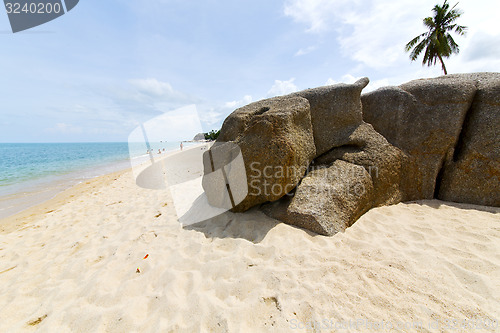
(442, 65)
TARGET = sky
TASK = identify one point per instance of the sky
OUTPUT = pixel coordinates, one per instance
(97, 72)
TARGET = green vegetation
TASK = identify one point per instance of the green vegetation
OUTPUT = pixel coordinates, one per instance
(212, 135)
(437, 42)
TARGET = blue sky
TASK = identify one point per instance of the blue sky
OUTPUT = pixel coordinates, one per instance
(95, 73)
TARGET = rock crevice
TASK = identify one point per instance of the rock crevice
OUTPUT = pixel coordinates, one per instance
(472, 175)
(459, 146)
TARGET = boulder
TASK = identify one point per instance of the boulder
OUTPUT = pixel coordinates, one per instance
(365, 172)
(328, 200)
(280, 136)
(423, 118)
(225, 177)
(199, 137)
(472, 175)
(335, 112)
(430, 138)
(276, 140)
(384, 163)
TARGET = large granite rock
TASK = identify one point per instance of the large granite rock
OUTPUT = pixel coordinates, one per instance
(335, 112)
(424, 119)
(345, 182)
(276, 140)
(472, 175)
(285, 134)
(431, 138)
(328, 200)
(384, 163)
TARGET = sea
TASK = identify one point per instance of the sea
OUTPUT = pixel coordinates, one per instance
(31, 173)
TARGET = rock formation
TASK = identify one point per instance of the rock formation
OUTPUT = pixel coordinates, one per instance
(328, 200)
(199, 137)
(424, 119)
(472, 175)
(335, 112)
(449, 128)
(431, 138)
(276, 139)
(384, 163)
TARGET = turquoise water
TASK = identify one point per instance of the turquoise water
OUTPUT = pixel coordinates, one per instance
(24, 162)
(33, 172)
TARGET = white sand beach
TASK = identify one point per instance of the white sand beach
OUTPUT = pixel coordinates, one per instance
(109, 256)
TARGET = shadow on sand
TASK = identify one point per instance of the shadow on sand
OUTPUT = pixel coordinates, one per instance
(252, 225)
(214, 222)
(438, 203)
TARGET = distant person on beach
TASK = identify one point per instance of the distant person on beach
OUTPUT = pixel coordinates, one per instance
(182, 146)
(159, 151)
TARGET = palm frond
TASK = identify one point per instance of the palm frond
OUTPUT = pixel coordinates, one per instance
(437, 41)
(452, 14)
(418, 49)
(454, 48)
(429, 22)
(459, 29)
(414, 41)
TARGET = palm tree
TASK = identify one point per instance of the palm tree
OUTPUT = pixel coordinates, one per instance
(438, 42)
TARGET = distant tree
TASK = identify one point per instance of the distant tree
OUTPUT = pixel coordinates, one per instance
(437, 42)
(212, 135)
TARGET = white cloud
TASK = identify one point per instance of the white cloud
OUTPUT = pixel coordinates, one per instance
(380, 33)
(152, 87)
(177, 125)
(136, 100)
(282, 88)
(211, 117)
(348, 78)
(483, 47)
(247, 99)
(330, 82)
(374, 33)
(317, 14)
(481, 15)
(371, 32)
(65, 128)
(377, 84)
(152, 91)
(480, 53)
(304, 51)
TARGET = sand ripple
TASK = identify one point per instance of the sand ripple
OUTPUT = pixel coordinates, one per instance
(75, 269)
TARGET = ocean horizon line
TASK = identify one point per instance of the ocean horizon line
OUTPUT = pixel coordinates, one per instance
(57, 142)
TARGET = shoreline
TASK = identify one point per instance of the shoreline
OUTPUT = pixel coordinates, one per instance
(108, 255)
(24, 195)
(70, 191)
(30, 214)
(36, 191)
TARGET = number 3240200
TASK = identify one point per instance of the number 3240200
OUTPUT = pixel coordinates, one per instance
(33, 8)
